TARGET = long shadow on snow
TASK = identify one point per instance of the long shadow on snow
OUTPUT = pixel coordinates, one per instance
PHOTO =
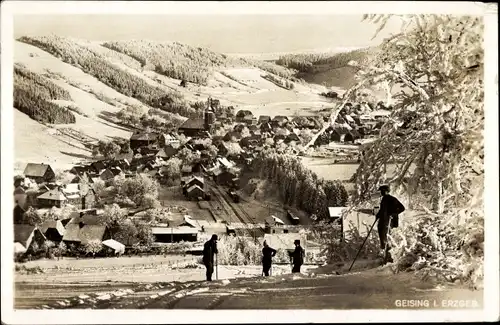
(76, 155)
(108, 117)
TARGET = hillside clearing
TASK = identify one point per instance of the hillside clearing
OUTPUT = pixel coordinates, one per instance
(35, 142)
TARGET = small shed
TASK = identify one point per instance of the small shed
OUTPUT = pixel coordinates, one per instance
(174, 234)
(114, 246)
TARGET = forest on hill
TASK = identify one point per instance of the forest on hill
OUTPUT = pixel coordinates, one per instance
(330, 69)
(120, 64)
(33, 94)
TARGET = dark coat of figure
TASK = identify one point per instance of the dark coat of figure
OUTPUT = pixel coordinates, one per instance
(388, 216)
(267, 258)
(209, 250)
(297, 257)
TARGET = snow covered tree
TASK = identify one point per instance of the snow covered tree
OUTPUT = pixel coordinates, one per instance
(432, 75)
(434, 68)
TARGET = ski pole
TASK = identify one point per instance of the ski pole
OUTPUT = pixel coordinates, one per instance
(359, 251)
(216, 266)
(387, 239)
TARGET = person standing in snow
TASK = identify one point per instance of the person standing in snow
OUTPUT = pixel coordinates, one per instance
(387, 216)
(209, 250)
(297, 257)
(267, 258)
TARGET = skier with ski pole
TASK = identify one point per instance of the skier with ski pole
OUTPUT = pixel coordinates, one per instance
(387, 217)
(209, 249)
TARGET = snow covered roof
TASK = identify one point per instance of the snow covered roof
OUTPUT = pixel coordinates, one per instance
(274, 220)
(54, 194)
(19, 248)
(72, 188)
(115, 245)
(190, 189)
(55, 224)
(190, 221)
(225, 162)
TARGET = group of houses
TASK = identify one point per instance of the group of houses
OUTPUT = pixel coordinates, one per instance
(38, 188)
(80, 228)
(150, 151)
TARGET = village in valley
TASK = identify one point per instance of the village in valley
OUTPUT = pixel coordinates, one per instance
(201, 171)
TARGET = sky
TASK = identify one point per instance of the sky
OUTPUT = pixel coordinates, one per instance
(234, 34)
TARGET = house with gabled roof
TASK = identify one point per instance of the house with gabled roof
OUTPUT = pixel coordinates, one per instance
(86, 219)
(51, 198)
(193, 127)
(25, 236)
(82, 234)
(196, 180)
(142, 139)
(39, 172)
(53, 230)
(79, 169)
(264, 119)
(194, 192)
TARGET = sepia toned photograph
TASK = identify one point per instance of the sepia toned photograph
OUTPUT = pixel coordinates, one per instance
(214, 157)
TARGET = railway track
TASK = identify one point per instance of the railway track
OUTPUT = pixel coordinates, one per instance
(230, 208)
(241, 214)
(222, 202)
